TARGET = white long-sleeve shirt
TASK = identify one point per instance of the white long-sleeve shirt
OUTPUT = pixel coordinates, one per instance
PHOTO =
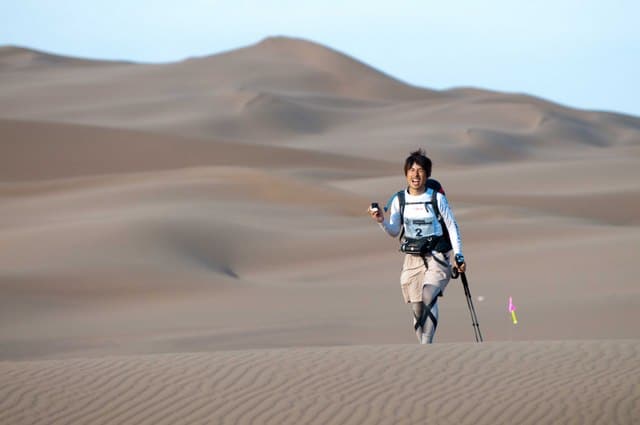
(420, 220)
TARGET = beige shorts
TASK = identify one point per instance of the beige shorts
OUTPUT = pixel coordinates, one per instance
(414, 275)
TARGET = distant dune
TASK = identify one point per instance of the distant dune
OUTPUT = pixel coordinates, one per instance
(20, 59)
(187, 243)
(297, 92)
(38, 151)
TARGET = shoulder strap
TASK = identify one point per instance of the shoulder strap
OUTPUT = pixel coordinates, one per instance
(434, 203)
(402, 203)
(437, 188)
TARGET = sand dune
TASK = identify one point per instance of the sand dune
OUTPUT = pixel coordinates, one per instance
(187, 243)
(268, 93)
(529, 383)
(37, 151)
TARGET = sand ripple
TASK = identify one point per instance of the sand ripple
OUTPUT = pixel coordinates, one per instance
(577, 382)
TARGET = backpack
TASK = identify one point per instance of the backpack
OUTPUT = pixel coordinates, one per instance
(444, 243)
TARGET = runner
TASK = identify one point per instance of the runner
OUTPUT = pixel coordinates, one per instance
(428, 232)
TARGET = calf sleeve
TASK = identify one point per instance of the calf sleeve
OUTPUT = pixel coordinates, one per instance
(419, 317)
(430, 301)
(429, 329)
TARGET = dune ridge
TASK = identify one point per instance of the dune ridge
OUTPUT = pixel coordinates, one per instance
(15, 58)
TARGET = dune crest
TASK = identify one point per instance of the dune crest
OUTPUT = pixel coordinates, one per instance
(14, 58)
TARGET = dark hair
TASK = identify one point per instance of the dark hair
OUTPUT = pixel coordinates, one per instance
(418, 157)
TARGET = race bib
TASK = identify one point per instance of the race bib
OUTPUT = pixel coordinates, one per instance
(419, 228)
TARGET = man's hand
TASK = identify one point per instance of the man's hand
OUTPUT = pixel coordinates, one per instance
(461, 265)
(375, 212)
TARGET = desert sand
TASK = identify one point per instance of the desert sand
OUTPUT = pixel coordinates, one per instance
(188, 243)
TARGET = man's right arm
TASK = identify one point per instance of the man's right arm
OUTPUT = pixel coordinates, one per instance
(393, 224)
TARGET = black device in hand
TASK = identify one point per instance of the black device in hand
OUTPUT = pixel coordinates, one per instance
(375, 206)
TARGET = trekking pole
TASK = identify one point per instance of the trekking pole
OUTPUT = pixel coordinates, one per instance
(472, 310)
(467, 293)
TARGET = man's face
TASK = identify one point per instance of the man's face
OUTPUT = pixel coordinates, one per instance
(416, 177)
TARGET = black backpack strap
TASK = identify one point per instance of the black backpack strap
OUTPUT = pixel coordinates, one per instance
(436, 187)
(402, 203)
(446, 245)
(434, 203)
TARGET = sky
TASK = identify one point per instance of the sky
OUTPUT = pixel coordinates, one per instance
(582, 54)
